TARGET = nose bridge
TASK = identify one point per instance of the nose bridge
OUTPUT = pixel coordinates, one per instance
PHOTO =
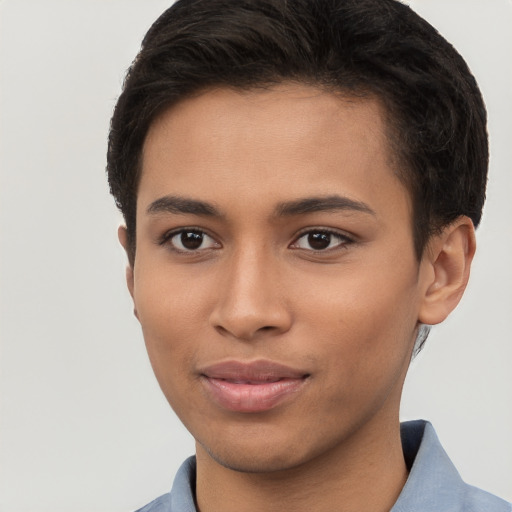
(250, 299)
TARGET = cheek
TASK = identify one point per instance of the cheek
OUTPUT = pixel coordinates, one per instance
(365, 348)
(368, 318)
(168, 311)
(168, 301)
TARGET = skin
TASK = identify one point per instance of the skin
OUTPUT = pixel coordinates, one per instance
(255, 288)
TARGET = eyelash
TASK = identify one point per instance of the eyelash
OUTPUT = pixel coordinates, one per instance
(344, 240)
(166, 239)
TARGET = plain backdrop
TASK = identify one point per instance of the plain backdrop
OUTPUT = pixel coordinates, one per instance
(83, 424)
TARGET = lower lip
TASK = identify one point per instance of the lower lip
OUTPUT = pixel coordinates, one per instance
(258, 397)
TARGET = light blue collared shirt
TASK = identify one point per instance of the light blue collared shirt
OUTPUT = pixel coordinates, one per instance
(434, 485)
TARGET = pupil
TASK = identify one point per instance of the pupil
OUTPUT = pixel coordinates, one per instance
(191, 240)
(319, 240)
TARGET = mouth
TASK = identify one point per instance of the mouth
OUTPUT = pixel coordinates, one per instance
(251, 387)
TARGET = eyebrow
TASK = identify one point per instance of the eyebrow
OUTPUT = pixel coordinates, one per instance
(183, 205)
(321, 204)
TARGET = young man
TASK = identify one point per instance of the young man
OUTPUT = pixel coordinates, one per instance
(300, 182)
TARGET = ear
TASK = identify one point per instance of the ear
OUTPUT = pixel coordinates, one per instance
(123, 240)
(446, 266)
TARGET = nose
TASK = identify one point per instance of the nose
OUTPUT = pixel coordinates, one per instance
(251, 302)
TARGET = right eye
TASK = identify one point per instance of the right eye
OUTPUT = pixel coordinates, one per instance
(190, 240)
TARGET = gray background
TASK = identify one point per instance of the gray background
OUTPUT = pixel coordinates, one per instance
(83, 424)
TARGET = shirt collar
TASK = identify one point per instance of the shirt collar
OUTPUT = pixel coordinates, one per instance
(434, 485)
(184, 487)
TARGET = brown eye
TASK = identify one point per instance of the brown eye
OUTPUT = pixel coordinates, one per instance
(191, 240)
(320, 240)
(188, 240)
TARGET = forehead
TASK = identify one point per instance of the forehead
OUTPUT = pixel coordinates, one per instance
(219, 112)
(269, 142)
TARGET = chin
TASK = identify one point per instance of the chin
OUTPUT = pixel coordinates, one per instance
(248, 462)
(270, 453)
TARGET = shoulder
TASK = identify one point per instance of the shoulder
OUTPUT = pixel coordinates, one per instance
(476, 500)
(161, 504)
(182, 495)
(434, 485)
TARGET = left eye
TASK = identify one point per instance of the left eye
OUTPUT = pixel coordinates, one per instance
(320, 240)
(189, 240)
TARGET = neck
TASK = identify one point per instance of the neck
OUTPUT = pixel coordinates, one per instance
(366, 473)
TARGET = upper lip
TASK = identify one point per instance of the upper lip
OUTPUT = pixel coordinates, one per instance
(253, 371)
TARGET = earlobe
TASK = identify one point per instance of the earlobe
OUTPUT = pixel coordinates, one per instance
(447, 260)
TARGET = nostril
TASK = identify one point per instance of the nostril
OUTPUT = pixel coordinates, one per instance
(247, 321)
(244, 333)
(221, 330)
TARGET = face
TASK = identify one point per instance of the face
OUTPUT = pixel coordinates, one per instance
(275, 277)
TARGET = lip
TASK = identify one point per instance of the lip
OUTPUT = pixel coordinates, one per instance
(251, 387)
